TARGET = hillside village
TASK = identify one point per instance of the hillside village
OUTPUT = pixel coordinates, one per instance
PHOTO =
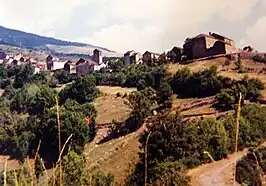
(200, 47)
(141, 119)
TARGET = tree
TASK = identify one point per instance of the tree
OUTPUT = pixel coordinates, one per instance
(141, 102)
(19, 145)
(24, 76)
(102, 179)
(213, 137)
(83, 90)
(15, 134)
(9, 92)
(63, 76)
(116, 66)
(46, 130)
(188, 49)
(169, 173)
(165, 93)
(170, 140)
(226, 99)
(74, 169)
(88, 110)
(40, 78)
(44, 99)
(202, 84)
(21, 100)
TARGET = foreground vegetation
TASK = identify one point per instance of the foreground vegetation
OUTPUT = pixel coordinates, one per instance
(34, 127)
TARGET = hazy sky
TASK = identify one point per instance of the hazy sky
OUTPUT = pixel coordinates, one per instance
(155, 25)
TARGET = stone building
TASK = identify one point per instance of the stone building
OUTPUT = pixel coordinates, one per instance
(204, 45)
(150, 57)
(131, 57)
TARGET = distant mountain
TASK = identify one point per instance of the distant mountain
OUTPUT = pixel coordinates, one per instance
(32, 41)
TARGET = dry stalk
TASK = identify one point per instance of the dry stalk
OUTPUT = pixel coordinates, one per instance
(209, 155)
(31, 171)
(16, 178)
(53, 175)
(59, 142)
(236, 135)
(37, 152)
(45, 170)
(4, 173)
(146, 159)
(60, 155)
(64, 146)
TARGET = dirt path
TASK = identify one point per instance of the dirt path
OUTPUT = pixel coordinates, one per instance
(219, 173)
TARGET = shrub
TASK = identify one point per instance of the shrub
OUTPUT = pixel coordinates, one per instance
(251, 168)
(83, 90)
(100, 178)
(201, 84)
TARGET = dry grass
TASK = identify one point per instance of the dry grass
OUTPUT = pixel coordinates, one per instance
(114, 90)
(115, 156)
(199, 110)
(177, 102)
(11, 164)
(196, 66)
(110, 107)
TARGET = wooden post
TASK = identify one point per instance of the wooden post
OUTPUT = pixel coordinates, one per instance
(237, 131)
(146, 157)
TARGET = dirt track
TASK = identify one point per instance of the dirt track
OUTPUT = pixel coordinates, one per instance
(219, 173)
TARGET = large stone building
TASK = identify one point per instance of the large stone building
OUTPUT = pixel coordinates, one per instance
(131, 57)
(84, 67)
(204, 45)
(150, 57)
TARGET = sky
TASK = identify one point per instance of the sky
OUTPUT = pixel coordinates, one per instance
(154, 25)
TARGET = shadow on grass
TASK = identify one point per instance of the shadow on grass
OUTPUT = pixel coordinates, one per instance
(131, 125)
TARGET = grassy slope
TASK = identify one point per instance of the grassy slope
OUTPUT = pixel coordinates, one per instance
(116, 155)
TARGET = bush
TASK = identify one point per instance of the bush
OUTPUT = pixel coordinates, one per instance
(249, 88)
(169, 173)
(213, 137)
(201, 84)
(83, 90)
(251, 168)
(46, 130)
(102, 179)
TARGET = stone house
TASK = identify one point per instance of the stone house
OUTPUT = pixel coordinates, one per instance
(70, 67)
(204, 45)
(131, 57)
(97, 56)
(84, 67)
(150, 57)
(53, 63)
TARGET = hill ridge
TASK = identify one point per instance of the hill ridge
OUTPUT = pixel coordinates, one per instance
(24, 39)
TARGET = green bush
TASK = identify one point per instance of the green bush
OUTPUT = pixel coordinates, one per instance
(199, 84)
(83, 90)
(250, 169)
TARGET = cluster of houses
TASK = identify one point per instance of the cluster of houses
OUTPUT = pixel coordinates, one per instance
(81, 67)
(19, 59)
(200, 46)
